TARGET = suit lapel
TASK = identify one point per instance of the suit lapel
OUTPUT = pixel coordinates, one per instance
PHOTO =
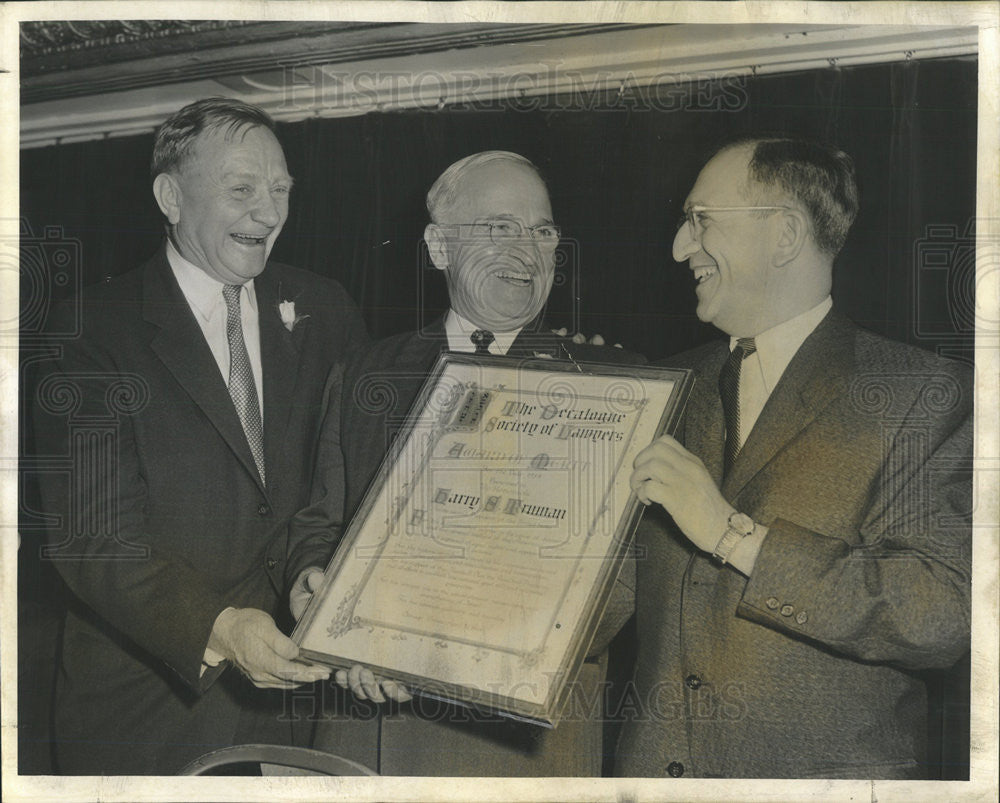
(279, 357)
(818, 373)
(181, 346)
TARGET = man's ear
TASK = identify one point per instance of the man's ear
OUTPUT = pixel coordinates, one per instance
(792, 237)
(437, 245)
(168, 197)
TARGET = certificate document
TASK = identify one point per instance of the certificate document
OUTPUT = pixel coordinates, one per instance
(485, 551)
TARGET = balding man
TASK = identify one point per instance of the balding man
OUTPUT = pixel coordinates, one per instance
(493, 236)
(808, 547)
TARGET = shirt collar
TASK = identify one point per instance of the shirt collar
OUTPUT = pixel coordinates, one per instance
(777, 345)
(203, 293)
(459, 330)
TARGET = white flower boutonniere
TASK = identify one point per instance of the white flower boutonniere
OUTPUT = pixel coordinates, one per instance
(289, 317)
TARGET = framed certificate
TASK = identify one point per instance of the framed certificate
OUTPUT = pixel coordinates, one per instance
(485, 551)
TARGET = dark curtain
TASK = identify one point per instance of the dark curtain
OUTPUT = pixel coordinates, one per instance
(619, 167)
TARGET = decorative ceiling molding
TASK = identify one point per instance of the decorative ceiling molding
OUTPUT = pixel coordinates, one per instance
(486, 67)
(74, 59)
(53, 38)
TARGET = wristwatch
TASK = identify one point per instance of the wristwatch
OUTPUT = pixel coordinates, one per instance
(738, 527)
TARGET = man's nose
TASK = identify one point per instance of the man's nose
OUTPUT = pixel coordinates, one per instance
(685, 245)
(267, 210)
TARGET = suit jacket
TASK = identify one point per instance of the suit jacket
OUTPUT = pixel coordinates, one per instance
(426, 737)
(162, 521)
(860, 466)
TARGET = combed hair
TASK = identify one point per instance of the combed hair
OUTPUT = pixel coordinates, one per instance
(174, 137)
(819, 176)
(441, 196)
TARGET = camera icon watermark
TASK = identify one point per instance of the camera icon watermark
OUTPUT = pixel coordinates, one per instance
(49, 268)
(955, 263)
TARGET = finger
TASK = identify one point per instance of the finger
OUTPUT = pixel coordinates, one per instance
(395, 691)
(638, 485)
(282, 645)
(314, 580)
(658, 492)
(665, 450)
(275, 684)
(276, 668)
(354, 682)
(597, 340)
(306, 673)
(561, 331)
(579, 337)
(341, 678)
(617, 345)
(371, 687)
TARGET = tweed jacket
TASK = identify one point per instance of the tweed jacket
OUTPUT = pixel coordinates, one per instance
(859, 465)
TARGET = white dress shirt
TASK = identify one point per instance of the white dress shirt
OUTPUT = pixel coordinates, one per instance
(761, 371)
(204, 296)
(459, 332)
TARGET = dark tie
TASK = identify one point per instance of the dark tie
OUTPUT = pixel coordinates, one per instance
(729, 389)
(241, 385)
(481, 339)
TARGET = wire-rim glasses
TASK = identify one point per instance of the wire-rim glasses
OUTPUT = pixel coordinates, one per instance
(502, 232)
(691, 215)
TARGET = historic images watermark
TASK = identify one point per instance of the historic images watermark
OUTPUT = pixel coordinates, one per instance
(666, 701)
(545, 86)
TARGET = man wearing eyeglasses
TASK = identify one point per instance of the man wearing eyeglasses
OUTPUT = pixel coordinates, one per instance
(493, 237)
(809, 548)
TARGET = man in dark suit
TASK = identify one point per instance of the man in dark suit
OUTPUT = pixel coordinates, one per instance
(493, 236)
(190, 405)
(810, 549)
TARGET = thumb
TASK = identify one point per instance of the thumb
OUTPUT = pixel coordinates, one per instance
(314, 580)
(284, 646)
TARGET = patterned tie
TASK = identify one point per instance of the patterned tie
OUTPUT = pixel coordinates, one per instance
(481, 339)
(241, 384)
(729, 389)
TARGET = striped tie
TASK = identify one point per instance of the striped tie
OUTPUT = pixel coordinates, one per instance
(729, 389)
(242, 388)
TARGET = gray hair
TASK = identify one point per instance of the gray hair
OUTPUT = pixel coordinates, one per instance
(175, 136)
(442, 194)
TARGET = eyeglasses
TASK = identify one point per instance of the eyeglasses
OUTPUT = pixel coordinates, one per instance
(692, 216)
(502, 232)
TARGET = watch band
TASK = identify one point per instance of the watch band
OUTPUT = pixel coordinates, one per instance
(738, 527)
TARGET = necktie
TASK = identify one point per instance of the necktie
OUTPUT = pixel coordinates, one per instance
(729, 389)
(242, 388)
(481, 339)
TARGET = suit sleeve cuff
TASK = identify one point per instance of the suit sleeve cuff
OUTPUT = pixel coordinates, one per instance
(784, 590)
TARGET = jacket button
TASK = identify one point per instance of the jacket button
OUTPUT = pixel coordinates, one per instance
(772, 603)
(263, 509)
(801, 617)
(675, 769)
(692, 682)
(787, 610)
(271, 563)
